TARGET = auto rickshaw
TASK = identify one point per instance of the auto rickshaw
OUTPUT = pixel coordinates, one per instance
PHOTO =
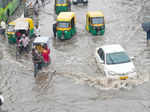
(66, 25)
(95, 23)
(11, 32)
(62, 6)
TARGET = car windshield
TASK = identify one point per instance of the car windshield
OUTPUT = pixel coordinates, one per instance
(63, 25)
(117, 58)
(11, 28)
(98, 20)
(61, 1)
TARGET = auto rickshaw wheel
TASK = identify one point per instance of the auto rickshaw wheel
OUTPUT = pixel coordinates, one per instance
(85, 3)
(75, 3)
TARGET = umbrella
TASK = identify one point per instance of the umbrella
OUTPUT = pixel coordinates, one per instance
(146, 26)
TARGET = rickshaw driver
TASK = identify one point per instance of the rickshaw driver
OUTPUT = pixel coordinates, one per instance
(37, 61)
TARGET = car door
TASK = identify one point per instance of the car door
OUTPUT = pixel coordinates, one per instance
(101, 59)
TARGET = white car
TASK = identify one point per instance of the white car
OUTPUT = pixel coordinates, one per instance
(114, 62)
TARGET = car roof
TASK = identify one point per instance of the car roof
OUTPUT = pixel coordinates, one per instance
(112, 48)
(95, 14)
(65, 16)
(42, 39)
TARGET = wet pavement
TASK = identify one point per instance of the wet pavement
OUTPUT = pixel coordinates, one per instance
(77, 85)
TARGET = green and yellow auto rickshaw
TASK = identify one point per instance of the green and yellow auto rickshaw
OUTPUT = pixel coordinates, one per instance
(31, 25)
(62, 6)
(95, 22)
(66, 25)
(11, 32)
(22, 23)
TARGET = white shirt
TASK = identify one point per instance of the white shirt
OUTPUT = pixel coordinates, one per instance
(37, 31)
(25, 41)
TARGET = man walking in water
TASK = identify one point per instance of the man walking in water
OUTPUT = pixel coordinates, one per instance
(54, 29)
(37, 61)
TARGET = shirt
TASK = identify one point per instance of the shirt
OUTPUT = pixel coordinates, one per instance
(25, 41)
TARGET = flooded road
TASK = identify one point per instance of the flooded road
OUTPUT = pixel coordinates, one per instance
(77, 85)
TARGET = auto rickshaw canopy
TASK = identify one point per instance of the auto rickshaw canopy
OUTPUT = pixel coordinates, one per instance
(65, 16)
(29, 20)
(22, 25)
(39, 42)
(95, 14)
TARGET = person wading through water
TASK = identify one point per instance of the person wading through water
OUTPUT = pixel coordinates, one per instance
(54, 29)
(37, 61)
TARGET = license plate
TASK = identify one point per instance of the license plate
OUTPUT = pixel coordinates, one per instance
(124, 78)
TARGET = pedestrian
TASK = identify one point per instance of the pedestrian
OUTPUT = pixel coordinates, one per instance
(37, 31)
(3, 28)
(37, 61)
(1, 99)
(148, 35)
(54, 29)
(45, 54)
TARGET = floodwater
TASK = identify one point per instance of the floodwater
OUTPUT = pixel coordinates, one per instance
(74, 83)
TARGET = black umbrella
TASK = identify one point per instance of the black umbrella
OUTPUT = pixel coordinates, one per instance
(146, 26)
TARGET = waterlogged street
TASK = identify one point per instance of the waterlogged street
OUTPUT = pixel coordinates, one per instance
(74, 82)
